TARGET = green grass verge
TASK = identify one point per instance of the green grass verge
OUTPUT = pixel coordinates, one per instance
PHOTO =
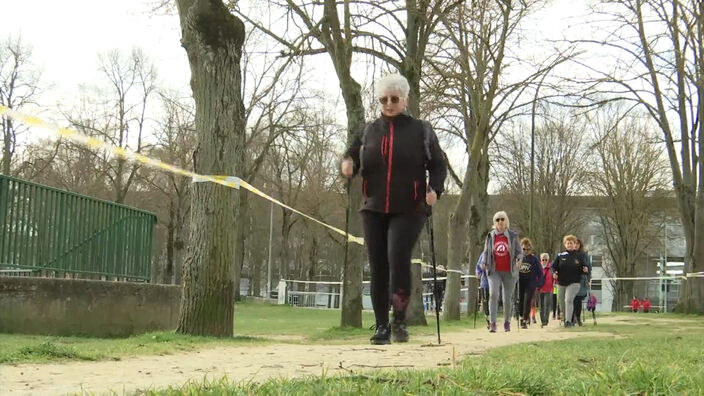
(254, 323)
(663, 357)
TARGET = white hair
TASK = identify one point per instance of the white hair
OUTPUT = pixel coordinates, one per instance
(503, 214)
(393, 83)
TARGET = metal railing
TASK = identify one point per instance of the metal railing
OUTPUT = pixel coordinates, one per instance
(47, 229)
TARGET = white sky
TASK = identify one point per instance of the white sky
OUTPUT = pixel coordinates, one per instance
(67, 36)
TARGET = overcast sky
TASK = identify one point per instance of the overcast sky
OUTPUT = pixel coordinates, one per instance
(66, 37)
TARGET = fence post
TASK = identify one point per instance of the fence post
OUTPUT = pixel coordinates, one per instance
(3, 215)
(282, 292)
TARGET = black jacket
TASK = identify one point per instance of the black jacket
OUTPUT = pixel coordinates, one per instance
(531, 272)
(568, 267)
(393, 162)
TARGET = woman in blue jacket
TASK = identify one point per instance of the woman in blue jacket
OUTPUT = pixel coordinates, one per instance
(530, 278)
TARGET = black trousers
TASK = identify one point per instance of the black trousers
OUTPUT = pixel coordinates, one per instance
(577, 313)
(390, 239)
(484, 299)
(525, 298)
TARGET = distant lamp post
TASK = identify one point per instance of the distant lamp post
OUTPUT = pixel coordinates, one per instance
(532, 158)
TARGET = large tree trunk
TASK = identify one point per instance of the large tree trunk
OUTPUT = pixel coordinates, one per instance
(213, 40)
(456, 237)
(351, 307)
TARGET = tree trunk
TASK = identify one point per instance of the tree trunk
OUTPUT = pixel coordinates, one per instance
(692, 295)
(415, 314)
(351, 305)
(213, 40)
(170, 240)
(7, 145)
(285, 253)
(457, 235)
(478, 221)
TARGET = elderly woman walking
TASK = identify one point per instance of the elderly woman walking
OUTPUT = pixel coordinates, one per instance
(502, 259)
(392, 154)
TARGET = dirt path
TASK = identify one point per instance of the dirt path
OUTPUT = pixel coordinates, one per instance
(258, 363)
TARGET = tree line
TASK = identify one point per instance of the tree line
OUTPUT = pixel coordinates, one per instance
(599, 125)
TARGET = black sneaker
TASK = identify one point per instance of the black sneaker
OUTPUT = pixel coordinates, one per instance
(399, 332)
(382, 335)
(524, 325)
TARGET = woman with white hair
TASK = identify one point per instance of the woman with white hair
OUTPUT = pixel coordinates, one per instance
(502, 259)
(392, 154)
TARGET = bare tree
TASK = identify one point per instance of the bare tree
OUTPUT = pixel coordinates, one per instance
(630, 172)
(175, 143)
(19, 87)
(561, 166)
(272, 86)
(324, 26)
(658, 65)
(118, 116)
(212, 38)
(473, 98)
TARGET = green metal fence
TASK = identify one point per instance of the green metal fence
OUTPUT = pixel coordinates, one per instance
(47, 229)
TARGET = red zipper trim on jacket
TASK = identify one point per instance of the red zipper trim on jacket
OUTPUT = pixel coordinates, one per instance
(390, 165)
(364, 188)
(415, 190)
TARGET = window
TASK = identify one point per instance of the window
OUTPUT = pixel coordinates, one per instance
(596, 285)
(597, 260)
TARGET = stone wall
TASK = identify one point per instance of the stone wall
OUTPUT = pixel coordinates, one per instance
(86, 307)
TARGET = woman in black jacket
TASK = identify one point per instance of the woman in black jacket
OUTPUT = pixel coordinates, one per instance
(568, 268)
(392, 154)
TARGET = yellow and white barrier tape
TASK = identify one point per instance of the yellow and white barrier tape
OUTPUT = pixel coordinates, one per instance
(94, 143)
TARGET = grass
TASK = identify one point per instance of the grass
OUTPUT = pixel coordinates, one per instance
(665, 356)
(254, 323)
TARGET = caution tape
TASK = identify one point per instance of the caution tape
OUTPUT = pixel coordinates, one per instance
(441, 268)
(94, 143)
(640, 278)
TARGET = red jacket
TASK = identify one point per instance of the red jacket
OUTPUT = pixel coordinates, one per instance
(548, 284)
(646, 305)
(635, 304)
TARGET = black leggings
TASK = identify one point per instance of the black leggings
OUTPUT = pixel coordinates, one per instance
(390, 239)
(577, 313)
(525, 298)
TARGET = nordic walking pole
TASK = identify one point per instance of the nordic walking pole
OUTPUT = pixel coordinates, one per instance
(519, 309)
(429, 227)
(476, 308)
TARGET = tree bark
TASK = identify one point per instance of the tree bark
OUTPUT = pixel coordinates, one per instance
(415, 313)
(351, 306)
(213, 40)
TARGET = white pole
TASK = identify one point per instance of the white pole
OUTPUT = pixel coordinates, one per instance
(664, 270)
(271, 236)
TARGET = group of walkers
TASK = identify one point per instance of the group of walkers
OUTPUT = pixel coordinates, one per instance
(637, 304)
(403, 172)
(508, 265)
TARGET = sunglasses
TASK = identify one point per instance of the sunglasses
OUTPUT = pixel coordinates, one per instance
(385, 99)
(546, 260)
(499, 219)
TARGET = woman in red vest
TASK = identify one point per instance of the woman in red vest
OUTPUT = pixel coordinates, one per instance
(635, 304)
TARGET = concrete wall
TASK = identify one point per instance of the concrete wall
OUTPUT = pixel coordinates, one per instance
(86, 307)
